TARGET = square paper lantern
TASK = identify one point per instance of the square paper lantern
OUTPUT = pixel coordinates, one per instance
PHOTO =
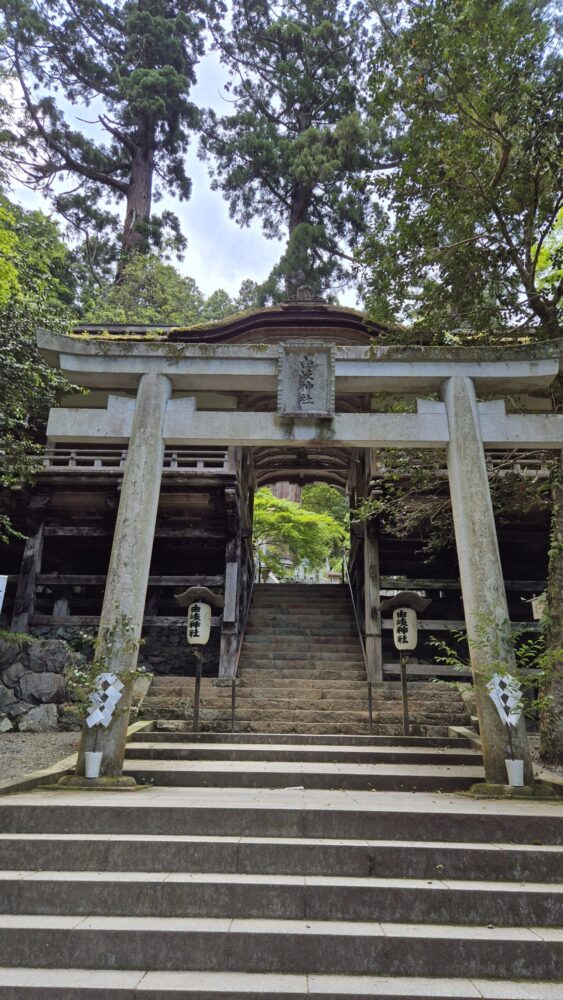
(199, 623)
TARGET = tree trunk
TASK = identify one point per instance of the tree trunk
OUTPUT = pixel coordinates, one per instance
(299, 262)
(546, 311)
(139, 203)
(551, 722)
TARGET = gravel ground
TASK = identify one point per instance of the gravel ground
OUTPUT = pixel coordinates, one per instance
(534, 750)
(22, 753)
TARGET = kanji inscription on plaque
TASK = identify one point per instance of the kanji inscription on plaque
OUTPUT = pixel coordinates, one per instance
(306, 379)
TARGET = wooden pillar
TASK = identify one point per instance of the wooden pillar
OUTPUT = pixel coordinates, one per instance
(372, 598)
(231, 611)
(25, 592)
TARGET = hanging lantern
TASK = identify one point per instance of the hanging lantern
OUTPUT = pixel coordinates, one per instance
(404, 606)
(199, 623)
(199, 602)
(405, 629)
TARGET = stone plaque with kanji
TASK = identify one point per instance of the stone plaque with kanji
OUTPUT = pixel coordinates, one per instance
(306, 380)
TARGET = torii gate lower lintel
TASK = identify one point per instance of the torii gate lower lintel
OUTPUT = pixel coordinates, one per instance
(458, 423)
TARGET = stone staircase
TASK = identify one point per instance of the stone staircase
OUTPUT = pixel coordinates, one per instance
(302, 671)
(278, 875)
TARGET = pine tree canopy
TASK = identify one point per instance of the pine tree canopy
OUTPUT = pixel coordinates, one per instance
(294, 148)
(125, 70)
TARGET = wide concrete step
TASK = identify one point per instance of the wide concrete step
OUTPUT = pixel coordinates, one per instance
(104, 984)
(151, 750)
(281, 897)
(210, 812)
(136, 852)
(253, 774)
(286, 946)
(183, 734)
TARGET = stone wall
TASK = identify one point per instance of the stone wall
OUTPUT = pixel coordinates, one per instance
(33, 687)
(163, 651)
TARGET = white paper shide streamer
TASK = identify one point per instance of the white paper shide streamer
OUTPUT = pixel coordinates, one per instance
(103, 699)
(506, 694)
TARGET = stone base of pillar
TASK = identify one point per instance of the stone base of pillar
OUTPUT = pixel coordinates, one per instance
(539, 790)
(120, 783)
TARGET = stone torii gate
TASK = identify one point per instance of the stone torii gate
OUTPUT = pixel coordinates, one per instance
(306, 376)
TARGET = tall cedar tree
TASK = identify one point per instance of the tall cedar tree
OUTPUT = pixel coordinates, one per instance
(472, 93)
(133, 61)
(294, 147)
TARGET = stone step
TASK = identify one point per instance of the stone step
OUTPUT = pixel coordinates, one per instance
(331, 618)
(151, 750)
(305, 634)
(281, 897)
(305, 668)
(253, 774)
(287, 946)
(104, 984)
(337, 713)
(376, 816)
(214, 720)
(270, 679)
(290, 740)
(270, 855)
(272, 701)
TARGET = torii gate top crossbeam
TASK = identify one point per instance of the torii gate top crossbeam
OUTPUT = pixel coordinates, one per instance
(118, 364)
(197, 368)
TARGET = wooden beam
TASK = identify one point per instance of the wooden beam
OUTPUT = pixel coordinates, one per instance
(230, 628)
(402, 583)
(25, 592)
(231, 580)
(71, 531)
(84, 621)
(91, 579)
(440, 670)
(447, 625)
(372, 614)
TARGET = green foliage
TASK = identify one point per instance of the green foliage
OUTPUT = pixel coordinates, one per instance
(153, 292)
(470, 92)
(413, 498)
(35, 291)
(287, 530)
(325, 499)
(293, 149)
(135, 63)
(505, 648)
(549, 268)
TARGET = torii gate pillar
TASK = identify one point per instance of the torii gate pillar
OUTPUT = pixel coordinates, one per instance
(121, 620)
(482, 584)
